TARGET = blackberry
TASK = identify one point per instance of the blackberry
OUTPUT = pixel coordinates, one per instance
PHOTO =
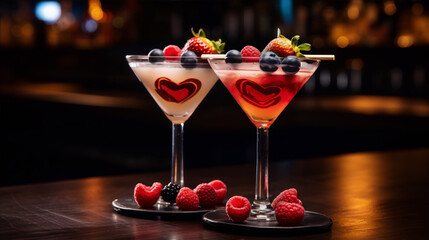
(170, 191)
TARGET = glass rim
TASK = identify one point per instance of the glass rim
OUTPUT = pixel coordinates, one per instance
(146, 57)
(213, 59)
(173, 61)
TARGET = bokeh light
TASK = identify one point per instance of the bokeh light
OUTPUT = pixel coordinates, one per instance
(48, 11)
(405, 41)
(89, 26)
(389, 8)
(343, 42)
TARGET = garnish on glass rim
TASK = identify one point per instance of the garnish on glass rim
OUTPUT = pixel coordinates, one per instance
(284, 47)
(307, 56)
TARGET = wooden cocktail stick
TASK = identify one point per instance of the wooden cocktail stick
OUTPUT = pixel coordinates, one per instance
(320, 56)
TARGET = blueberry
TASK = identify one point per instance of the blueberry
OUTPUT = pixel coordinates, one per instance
(189, 59)
(268, 62)
(291, 64)
(233, 56)
(156, 55)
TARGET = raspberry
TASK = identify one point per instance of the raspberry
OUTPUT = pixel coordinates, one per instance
(250, 51)
(289, 195)
(238, 209)
(220, 189)
(206, 194)
(187, 199)
(146, 196)
(172, 50)
(289, 214)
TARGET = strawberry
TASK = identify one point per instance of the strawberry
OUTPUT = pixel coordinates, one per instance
(199, 44)
(187, 199)
(289, 214)
(289, 195)
(250, 51)
(146, 196)
(220, 189)
(284, 47)
(206, 194)
(238, 209)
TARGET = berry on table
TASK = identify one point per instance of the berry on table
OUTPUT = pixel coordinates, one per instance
(268, 62)
(156, 55)
(188, 59)
(187, 199)
(233, 56)
(291, 64)
(146, 196)
(169, 192)
(288, 195)
(289, 214)
(206, 194)
(220, 189)
(238, 208)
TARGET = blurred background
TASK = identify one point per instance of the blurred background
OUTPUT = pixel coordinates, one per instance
(71, 107)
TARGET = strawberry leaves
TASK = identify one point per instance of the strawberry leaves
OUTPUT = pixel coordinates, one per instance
(298, 48)
(304, 47)
(218, 45)
(294, 43)
(200, 33)
(279, 34)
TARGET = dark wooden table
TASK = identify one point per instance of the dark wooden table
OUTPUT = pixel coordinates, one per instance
(373, 195)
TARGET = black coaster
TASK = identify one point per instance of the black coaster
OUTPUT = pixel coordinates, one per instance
(313, 222)
(130, 208)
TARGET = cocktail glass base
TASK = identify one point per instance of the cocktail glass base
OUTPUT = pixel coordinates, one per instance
(163, 204)
(268, 216)
(313, 222)
(129, 207)
(262, 211)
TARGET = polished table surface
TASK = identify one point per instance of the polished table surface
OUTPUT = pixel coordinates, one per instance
(370, 195)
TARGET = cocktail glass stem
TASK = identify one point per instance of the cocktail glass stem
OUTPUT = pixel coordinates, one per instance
(177, 154)
(261, 207)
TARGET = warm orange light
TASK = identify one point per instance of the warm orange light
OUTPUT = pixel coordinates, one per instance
(329, 13)
(353, 12)
(27, 30)
(356, 64)
(357, 182)
(405, 41)
(343, 41)
(318, 42)
(389, 8)
(95, 10)
(417, 9)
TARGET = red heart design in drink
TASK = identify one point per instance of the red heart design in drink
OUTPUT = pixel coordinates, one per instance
(178, 93)
(258, 95)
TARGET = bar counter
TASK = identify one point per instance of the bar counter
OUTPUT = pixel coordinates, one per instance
(368, 195)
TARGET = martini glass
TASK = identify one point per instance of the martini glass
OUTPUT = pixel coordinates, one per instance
(178, 90)
(262, 96)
